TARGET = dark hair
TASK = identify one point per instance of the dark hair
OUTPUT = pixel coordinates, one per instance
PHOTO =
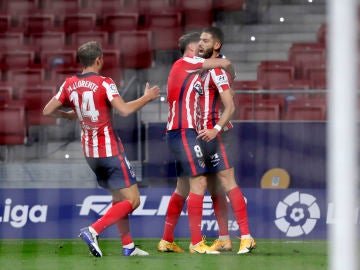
(88, 52)
(216, 33)
(186, 39)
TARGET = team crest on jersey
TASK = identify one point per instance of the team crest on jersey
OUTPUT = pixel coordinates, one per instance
(201, 162)
(203, 75)
(198, 88)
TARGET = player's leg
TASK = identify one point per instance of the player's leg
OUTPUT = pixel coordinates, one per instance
(116, 175)
(125, 200)
(226, 177)
(123, 226)
(176, 204)
(116, 212)
(190, 164)
(216, 160)
(130, 194)
(238, 205)
(198, 185)
(195, 206)
(220, 205)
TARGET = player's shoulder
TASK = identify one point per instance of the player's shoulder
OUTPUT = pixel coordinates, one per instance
(193, 59)
(221, 76)
(219, 71)
(108, 80)
(110, 85)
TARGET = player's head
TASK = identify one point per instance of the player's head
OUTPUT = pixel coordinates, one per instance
(211, 40)
(90, 53)
(188, 39)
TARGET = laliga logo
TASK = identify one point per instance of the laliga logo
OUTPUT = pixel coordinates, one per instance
(297, 214)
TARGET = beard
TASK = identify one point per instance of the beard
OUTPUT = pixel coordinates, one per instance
(207, 53)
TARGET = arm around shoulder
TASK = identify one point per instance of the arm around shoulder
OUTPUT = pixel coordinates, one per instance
(220, 63)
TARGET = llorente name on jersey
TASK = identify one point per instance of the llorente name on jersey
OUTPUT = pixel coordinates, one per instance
(83, 83)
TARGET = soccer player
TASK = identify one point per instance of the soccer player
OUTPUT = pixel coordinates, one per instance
(216, 138)
(92, 98)
(184, 87)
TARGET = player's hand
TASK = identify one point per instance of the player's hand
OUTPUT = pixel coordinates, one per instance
(70, 115)
(207, 134)
(153, 92)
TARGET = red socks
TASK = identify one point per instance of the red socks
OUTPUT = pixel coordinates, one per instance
(114, 214)
(221, 213)
(175, 207)
(123, 227)
(239, 209)
(195, 208)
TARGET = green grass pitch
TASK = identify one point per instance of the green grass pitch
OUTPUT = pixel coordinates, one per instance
(73, 254)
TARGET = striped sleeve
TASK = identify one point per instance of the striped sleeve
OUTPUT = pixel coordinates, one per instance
(220, 79)
(111, 89)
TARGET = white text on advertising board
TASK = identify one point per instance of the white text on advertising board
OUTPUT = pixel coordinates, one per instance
(18, 215)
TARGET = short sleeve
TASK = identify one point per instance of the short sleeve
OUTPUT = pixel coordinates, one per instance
(221, 79)
(61, 94)
(111, 89)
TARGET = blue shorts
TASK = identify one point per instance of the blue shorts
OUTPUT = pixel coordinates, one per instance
(113, 172)
(186, 149)
(219, 152)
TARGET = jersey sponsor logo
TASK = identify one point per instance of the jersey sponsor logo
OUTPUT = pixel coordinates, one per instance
(297, 214)
(214, 160)
(198, 88)
(87, 127)
(18, 215)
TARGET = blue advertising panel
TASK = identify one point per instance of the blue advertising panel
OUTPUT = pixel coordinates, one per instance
(60, 213)
(297, 147)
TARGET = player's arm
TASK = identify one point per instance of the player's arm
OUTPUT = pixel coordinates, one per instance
(53, 109)
(224, 63)
(127, 108)
(227, 100)
(229, 109)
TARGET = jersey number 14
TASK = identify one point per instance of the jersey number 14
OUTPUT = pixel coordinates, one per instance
(87, 107)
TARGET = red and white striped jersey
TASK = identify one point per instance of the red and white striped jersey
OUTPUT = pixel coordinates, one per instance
(184, 87)
(89, 95)
(214, 82)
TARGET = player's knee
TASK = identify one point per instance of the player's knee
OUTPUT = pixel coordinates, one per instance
(227, 186)
(182, 190)
(135, 202)
(198, 187)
